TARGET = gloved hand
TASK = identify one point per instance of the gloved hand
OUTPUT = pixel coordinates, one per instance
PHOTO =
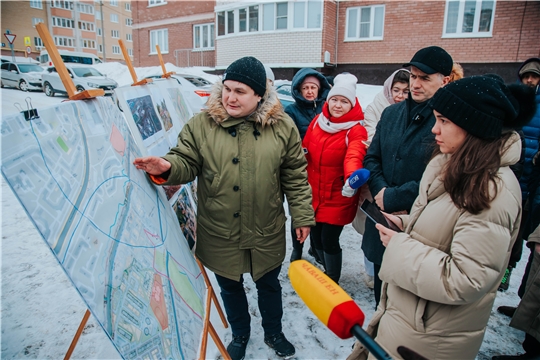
(347, 190)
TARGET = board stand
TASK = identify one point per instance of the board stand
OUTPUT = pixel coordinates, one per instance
(61, 68)
(166, 74)
(130, 66)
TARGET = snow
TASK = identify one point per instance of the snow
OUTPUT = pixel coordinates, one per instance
(41, 310)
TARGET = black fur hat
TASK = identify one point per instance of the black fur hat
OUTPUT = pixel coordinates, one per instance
(483, 105)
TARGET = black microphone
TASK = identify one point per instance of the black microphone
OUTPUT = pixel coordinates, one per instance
(232, 131)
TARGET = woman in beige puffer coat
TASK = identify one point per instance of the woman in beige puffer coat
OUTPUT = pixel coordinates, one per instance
(441, 274)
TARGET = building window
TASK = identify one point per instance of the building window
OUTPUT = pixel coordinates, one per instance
(87, 26)
(114, 2)
(307, 14)
(115, 34)
(36, 4)
(100, 48)
(275, 16)
(116, 49)
(38, 43)
(128, 6)
(129, 37)
(99, 31)
(98, 15)
(156, 2)
(35, 21)
(161, 38)
(62, 4)
(365, 23)
(129, 22)
(85, 9)
(114, 18)
(203, 36)
(64, 41)
(88, 44)
(130, 52)
(63, 22)
(469, 18)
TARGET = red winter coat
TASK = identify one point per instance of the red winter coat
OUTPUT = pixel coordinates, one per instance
(332, 158)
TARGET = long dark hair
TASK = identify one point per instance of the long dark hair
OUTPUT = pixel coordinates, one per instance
(471, 172)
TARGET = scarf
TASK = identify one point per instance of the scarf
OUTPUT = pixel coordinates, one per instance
(333, 125)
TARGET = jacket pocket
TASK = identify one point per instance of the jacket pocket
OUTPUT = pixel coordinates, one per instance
(419, 324)
(213, 189)
(213, 229)
(275, 227)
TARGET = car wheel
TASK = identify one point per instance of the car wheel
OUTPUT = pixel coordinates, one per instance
(48, 89)
(80, 88)
(23, 85)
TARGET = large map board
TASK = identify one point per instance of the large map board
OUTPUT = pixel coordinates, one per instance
(113, 232)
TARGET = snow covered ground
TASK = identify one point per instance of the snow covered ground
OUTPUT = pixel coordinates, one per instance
(41, 310)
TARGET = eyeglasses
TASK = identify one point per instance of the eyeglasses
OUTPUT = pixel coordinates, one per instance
(400, 92)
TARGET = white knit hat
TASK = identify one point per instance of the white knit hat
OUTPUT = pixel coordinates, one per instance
(344, 85)
(269, 73)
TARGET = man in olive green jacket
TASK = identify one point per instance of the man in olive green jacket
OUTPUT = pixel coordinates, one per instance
(246, 153)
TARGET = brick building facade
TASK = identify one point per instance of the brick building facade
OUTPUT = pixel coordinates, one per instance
(367, 38)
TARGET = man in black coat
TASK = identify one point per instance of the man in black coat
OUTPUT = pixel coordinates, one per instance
(402, 146)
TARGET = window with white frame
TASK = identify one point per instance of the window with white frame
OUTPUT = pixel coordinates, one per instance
(130, 52)
(307, 14)
(113, 2)
(203, 36)
(62, 4)
(129, 22)
(100, 48)
(275, 16)
(38, 43)
(470, 18)
(365, 23)
(129, 37)
(98, 15)
(88, 44)
(161, 38)
(156, 2)
(127, 6)
(87, 26)
(114, 18)
(63, 22)
(115, 34)
(36, 4)
(36, 21)
(64, 41)
(99, 31)
(116, 49)
(85, 9)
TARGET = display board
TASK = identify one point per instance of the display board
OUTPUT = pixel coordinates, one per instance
(113, 232)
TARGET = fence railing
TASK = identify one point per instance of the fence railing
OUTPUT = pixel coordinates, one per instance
(190, 57)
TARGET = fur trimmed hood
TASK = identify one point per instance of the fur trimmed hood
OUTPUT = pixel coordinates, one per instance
(269, 111)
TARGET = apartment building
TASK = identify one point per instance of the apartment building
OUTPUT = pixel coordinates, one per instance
(368, 38)
(73, 25)
(114, 21)
(184, 31)
(20, 18)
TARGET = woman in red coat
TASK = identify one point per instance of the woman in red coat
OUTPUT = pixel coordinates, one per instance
(334, 150)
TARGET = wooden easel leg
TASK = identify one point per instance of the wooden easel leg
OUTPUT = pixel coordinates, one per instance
(218, 342)
(78, 335)
(213, 294)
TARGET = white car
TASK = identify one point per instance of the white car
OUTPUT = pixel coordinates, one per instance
(84, 77)
(196, 95)
(23, 76)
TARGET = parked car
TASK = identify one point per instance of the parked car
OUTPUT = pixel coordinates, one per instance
(196, 96)
(283, 89)
(23, 76)
(84, 77)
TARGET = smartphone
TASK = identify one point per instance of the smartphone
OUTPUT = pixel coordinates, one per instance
(374, 214)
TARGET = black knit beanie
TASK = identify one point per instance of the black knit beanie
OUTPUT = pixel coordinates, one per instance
(249, 71)
(483, 105)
